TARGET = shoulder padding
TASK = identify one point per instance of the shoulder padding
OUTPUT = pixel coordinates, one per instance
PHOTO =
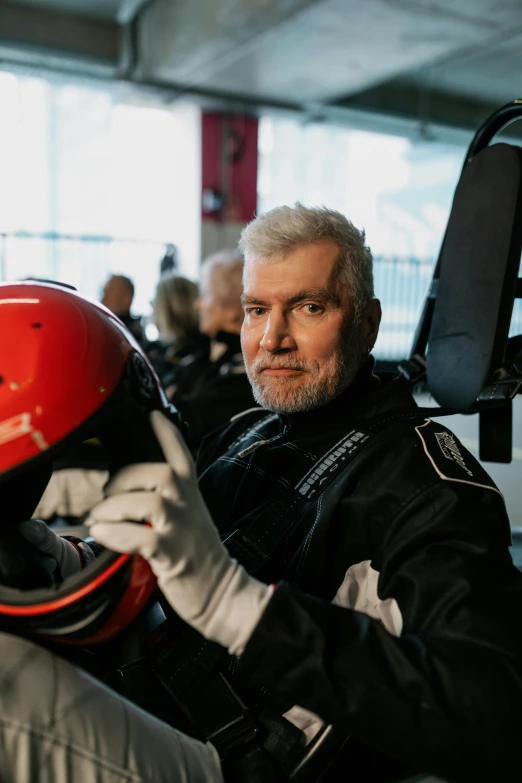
(450, 459)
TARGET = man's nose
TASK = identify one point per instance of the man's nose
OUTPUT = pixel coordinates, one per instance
(277, 336)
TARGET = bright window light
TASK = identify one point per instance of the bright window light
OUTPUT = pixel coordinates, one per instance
(91, 184)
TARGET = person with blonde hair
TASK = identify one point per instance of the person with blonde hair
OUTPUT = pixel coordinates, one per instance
(173, 308)
(117, 296)
(219, 303)
(180, 341)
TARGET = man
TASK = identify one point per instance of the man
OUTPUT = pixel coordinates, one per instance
(118, 294)
(397, 620)
(213, 386)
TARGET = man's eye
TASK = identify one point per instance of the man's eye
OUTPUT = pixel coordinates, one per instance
(255, 311)
(312, 309)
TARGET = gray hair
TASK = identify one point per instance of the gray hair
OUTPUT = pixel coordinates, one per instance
(277, 233)
(222, 278)
(174, 311)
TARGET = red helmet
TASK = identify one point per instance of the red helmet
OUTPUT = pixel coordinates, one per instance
(69, 371)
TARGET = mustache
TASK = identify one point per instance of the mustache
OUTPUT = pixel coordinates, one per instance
(287, 363)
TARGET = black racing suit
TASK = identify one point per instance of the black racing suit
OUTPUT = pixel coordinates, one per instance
(133, 324)
(171, 361)
(213, 388)
(412, 536)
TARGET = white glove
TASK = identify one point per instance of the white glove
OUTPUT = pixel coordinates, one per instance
(206, 588)
(59, 556)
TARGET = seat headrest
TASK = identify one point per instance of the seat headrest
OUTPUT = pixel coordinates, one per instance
(479, 265)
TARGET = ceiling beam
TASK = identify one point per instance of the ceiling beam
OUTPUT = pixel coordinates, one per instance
(424, 106)
(59, 33)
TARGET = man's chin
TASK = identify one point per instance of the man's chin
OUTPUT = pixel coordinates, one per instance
(285, 403)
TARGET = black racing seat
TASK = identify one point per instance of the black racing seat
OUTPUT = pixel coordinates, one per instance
(461, 347)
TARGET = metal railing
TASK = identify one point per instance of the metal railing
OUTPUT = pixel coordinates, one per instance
(401, 283)
(81, 260)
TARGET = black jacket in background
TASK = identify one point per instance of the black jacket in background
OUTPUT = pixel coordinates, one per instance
(134, 326)
(211, 391)
(171, 361)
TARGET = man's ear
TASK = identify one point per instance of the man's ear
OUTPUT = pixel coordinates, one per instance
(372, 322)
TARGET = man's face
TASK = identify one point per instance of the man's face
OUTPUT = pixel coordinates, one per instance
(300, 341)
(116, 297)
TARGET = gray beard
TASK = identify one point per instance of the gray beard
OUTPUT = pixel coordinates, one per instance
(275, 396)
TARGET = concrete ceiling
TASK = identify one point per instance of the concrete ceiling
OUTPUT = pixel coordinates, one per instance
(491, 72)
(442, 60)
(96, 9)
(301, 50)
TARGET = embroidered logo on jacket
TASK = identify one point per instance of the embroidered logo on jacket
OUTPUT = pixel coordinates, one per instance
(445, 455)
(450, 449)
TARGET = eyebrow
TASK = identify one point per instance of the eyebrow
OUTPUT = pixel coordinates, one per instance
(311, 293)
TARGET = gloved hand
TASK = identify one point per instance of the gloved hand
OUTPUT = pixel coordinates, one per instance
(206, 588)
(59, 556)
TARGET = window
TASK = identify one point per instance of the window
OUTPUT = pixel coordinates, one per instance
(94, 182)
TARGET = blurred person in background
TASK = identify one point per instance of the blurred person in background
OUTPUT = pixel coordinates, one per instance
(214, 388)
(118, 294)
(169, 262)
(180, 341)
